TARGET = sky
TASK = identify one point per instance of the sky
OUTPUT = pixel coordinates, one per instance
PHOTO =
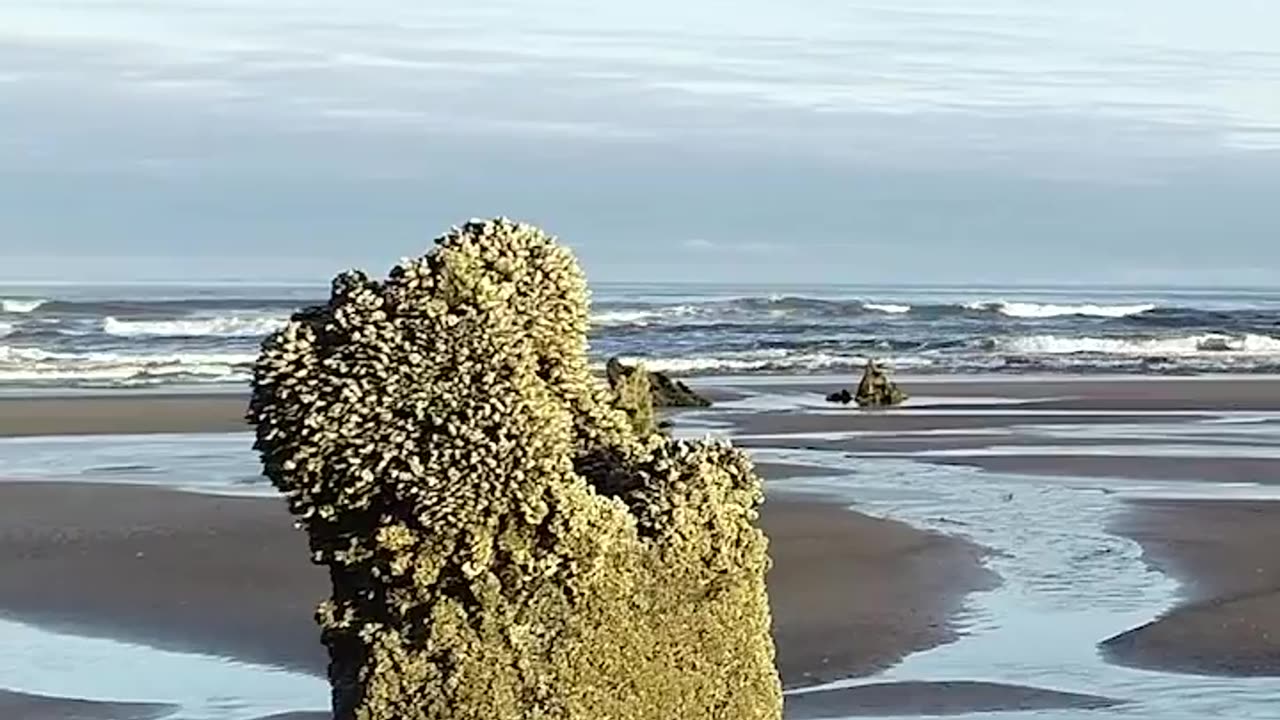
(956, 141)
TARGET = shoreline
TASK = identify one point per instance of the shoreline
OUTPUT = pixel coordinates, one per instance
(1075, 399)
(31, 706)
(852, 595)
(1223, 554)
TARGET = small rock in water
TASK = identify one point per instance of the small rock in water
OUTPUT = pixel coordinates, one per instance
(844, 397)
(666, 391)
(875, 390)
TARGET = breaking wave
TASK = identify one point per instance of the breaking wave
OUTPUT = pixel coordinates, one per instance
(230, 327)
(1250, 344)
(20, 305)
(647, 316)
(890, 309)
(1042, 311)
(19, 364)
(794, 307)
(97, 336)
(770, 361)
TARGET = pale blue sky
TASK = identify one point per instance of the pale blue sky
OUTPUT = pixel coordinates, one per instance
(914, 140)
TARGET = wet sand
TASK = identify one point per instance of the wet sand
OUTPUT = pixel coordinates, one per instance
(1138, 467)
(1115, 394)
(1225, 552)
(852, 595)
(230, 576)
(122, 414)
(938, 698)
(159, 413)
(223, 575)
(21, 706)
(788, 422)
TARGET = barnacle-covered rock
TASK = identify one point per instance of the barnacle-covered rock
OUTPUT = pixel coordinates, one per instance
(874, 390)
(507, 537)
(665, 391)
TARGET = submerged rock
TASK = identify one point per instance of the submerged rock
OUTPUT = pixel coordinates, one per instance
(666, 392)
(875, 390)
(507, 537)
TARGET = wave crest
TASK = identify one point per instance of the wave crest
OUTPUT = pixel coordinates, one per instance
(888, 308)
(21, 305)
(34, 365)
(1031, 310)
(194, 327)
(769, 361)
(647, 316)
(1246, 344)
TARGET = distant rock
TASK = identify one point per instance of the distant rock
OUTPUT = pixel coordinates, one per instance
(877, 390)
(666, 391)
(874, 390)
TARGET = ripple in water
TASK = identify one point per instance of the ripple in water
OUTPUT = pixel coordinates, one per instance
(1068, 584)
(203, 687)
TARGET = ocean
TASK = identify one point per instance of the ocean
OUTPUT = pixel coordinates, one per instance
(176, 335)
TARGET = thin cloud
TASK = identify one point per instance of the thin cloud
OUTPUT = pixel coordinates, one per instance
(743, 247)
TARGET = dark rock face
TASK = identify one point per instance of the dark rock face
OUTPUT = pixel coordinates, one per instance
(875, 390)
(844, 397)
(508, 538)
(666, 391)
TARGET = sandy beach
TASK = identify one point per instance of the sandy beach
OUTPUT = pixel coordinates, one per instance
(852, 594)
(1225, 552)
(121, 414)
(231, 576)
(38, 707)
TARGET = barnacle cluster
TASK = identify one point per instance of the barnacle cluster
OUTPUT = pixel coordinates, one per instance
(506, 536)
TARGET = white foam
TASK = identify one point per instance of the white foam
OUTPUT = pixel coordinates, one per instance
(641, 317)
(887, 308)
(770, 360)
(623, 317)
(1039, 310)
(194, 327)
(20, 305)
(1176, 346)
(32, 364)
(6, 329)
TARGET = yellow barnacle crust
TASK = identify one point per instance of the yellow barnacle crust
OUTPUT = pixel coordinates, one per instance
(507, 537)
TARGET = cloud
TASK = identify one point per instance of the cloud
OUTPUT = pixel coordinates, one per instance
(995, 127)
(678, 69)
(738, 247)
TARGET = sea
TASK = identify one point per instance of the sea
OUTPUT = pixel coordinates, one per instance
(170, 335)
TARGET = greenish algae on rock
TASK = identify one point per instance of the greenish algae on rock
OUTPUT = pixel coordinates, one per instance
(505, 538)
(665, 391)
